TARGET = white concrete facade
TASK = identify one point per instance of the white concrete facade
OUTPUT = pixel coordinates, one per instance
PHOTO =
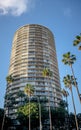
(33, 49)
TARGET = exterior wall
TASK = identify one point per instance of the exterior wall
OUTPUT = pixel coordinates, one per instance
(33, 49)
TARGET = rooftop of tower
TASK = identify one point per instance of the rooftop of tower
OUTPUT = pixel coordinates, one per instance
(35, 26)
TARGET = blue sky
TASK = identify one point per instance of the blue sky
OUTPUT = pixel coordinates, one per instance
(62, 17)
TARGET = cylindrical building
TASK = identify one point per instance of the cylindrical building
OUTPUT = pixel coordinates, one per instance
(33, 49)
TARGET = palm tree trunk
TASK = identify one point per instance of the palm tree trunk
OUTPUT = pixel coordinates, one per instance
(40, 115)
(29, 114)
(67, 104)
(68, 127)
(8, 111)
(3, 121)
(74, 108)
(75, 83)
(50, 118)
(49, 106)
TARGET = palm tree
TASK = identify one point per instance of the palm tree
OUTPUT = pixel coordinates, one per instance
(29, 90)
(9, 79)
(77, 41)
(69, 59)
(47, 73)
(68, 82)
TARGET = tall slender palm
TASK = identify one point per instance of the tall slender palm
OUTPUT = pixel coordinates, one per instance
(9, 97)
(77, 41)
(29, 90)
(69, 59)
(69, 81)
(47, 73)
(9, 79)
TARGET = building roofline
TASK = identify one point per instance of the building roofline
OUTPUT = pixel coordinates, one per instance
(34, 25)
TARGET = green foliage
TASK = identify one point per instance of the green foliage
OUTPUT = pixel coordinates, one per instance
(1, 112)
(47, 72)
(69, 80)
(65, 93)
(79, 119)
(61, 119)
(20, 94)
(22, 119)
(29, 89)
(72, 121)
(59, 116)
(7, 121)
(9, 79)
(63, 104)
(33, 109)
(68, 59)
(23, 114)
(77, 41)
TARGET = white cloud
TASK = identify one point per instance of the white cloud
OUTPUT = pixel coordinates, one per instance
(14, 7)
(67, 12)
